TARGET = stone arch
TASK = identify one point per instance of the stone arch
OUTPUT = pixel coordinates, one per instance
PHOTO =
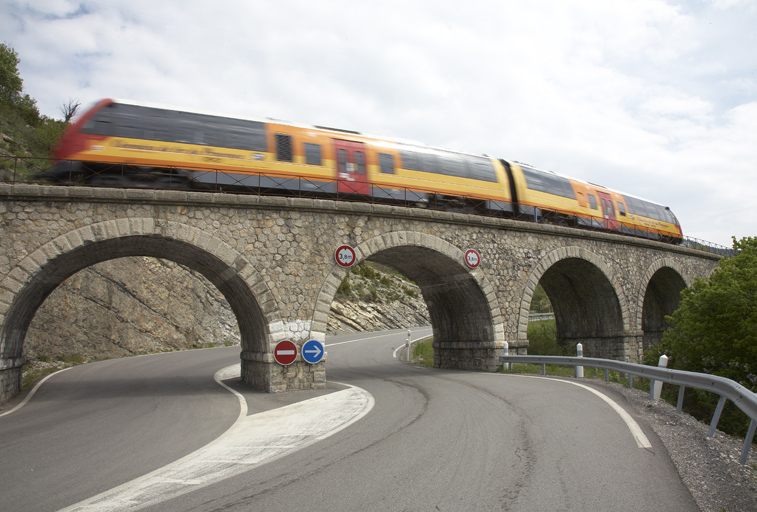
(659, 295)
(466, 318)
(37, 275)
(590, 307)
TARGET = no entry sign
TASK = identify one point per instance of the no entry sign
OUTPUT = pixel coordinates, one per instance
(345, 256)
(285, 352)
(472, 258)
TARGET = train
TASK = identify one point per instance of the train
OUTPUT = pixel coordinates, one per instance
(133, 144)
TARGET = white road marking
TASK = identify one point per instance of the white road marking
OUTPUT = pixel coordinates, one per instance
(641, 440)
(34, 390)
(361, 339)
(255, 439)
(396, 350)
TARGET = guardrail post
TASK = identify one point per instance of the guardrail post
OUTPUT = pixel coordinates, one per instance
(681, 390)
(716, 416)
(655, 386)
(748, 441)
(509, 366)
(579, 369)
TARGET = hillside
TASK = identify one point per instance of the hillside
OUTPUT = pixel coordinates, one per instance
(141, 305)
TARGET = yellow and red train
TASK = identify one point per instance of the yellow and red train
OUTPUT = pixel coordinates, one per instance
(135, 144)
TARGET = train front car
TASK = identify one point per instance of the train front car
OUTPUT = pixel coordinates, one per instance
(71, 150)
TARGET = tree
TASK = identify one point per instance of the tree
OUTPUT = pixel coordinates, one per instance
(11, 83)
(69, 109)
(715, 327)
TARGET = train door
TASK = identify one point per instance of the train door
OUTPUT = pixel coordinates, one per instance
(609, 210)
(351, 168)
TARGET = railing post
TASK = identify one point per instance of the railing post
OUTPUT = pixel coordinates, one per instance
(655, 386)
(748, 441)
(681, 391)
(509, 366)
(716, 416)
(579, 369)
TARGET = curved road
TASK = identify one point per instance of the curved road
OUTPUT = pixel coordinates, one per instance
(434, 439)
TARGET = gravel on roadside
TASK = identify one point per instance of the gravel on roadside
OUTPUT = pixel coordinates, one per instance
(709, 467)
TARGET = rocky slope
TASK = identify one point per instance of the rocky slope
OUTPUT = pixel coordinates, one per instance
(142, 305)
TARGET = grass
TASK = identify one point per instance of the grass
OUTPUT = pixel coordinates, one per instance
(423, 353)
(31, 375)
(542, 341)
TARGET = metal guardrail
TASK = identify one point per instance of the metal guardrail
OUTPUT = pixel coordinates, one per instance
(725, 388)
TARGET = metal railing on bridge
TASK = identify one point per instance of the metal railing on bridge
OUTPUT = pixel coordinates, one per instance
(727, 389)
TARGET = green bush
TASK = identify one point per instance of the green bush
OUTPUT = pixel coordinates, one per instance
(715, 331)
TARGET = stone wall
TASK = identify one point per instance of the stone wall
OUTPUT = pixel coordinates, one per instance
(273, 260)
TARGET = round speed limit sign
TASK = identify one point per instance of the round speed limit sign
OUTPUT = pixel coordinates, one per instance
(345, 256)
(472, 258)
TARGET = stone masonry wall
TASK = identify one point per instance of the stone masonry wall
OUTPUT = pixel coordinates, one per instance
(282, 251)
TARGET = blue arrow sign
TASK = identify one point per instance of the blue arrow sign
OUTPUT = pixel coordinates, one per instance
(312, 351)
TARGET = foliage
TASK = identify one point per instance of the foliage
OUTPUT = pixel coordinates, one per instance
(10, 79)
(542, 340)
(26, 133)
(372, 282)
(715, 331)
(423, 352)
(540, 302)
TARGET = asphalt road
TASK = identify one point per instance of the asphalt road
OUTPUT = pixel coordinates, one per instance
(433, 440)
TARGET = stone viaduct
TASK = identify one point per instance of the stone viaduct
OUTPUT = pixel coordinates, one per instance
(273, 260)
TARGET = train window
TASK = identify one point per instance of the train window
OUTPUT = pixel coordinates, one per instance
(386, 161)
(481, 168)
(429, 162)
(313, 154)
(622, 209)
(660, 213)
(360, 160)
(547, 182)
(342, 161)
(647, 209)
(593, 202)
(134, 121)
(410, 161)
(453, 165)
(283, 147)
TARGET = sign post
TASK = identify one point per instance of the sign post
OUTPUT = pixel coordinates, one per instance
(285, 352)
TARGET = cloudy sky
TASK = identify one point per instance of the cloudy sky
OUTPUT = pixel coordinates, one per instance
(656, 98)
